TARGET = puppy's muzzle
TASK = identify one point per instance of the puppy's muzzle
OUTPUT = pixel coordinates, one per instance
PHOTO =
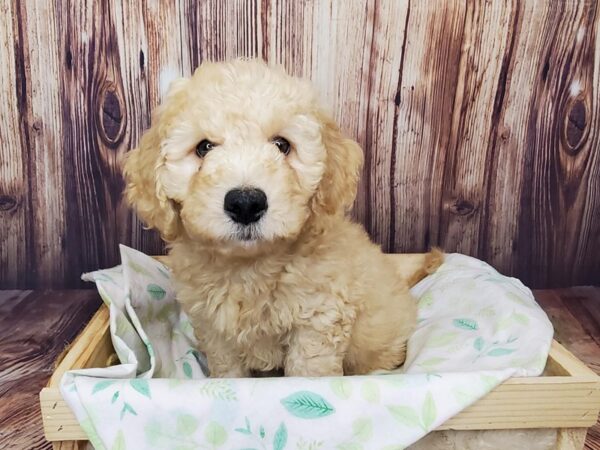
(245, 206)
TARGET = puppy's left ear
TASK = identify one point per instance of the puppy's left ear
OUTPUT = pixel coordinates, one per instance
(343, 165)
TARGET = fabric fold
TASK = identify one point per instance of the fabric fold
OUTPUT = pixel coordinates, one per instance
(476, 329)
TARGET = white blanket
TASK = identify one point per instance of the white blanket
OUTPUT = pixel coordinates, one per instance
(476, 329)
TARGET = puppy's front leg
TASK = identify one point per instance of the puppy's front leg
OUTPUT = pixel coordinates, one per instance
(223, 365)
(315, 353)
(223, 359)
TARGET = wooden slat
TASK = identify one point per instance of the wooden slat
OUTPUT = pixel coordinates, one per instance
(523, 62)
(522, 423)
(569, 363)
(389, 36)
(147, 62)
(349, 48)
(287, 34)
(530, 408)
(102, 64)
(92, 347)
(570, 439)
(235, 29)
(71, 445)
(424, 121)
(38, 71)
(485, 42)
(13, 173)
(88, 69)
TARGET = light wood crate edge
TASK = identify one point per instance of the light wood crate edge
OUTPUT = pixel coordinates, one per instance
(569, 399)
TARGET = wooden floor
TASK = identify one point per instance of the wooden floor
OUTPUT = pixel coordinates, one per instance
(35, 327)
(575, 314)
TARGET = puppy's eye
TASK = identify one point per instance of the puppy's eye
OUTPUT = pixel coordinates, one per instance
(204, 147)
(282, 144)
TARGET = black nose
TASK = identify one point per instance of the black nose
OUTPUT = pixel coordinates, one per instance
(245, 205)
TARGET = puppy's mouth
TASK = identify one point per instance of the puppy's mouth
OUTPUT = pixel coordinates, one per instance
(247, 233)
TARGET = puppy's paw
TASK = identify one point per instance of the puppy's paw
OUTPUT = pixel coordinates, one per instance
(233, 372)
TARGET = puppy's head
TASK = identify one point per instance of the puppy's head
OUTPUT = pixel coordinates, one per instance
(240, 155)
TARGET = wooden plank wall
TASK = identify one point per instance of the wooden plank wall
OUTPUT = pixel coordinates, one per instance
(480, 121)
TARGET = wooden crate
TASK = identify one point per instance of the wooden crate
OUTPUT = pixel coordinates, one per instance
(566, 397)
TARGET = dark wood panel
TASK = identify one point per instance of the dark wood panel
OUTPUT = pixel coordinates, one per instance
(93, 123)
(559, 224)
(479, 120)
(486, 43)
(425, 103)
(40, 200)
(13, 169)
(35, 327)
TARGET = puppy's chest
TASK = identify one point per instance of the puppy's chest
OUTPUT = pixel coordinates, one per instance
(250, 310)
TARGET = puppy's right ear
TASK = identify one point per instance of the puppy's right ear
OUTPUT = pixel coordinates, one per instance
(142, 171)
(344, 161)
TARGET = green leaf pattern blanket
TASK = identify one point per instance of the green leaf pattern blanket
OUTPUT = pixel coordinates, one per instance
(476, 328)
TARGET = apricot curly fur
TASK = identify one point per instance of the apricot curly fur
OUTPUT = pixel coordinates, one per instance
(307, 291)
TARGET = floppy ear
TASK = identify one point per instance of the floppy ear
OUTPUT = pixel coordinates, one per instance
(143, 165)
(144, 191)
(343, 164)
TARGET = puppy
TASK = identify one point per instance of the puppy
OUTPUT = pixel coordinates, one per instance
(249, 182)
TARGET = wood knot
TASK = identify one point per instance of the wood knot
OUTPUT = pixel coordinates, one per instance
(504, 133)
(576, 129)
(462, 207)
(37, 126)
(7, 202)
(111, 117)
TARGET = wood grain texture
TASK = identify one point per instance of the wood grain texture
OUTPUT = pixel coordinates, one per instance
(43, 202)
(13, 183)
(547, 149)
(480, 121)
(575, 314)
(424, 104)
(35, 327)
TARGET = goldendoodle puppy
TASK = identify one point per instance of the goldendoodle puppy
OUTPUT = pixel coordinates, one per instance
(249, 182)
